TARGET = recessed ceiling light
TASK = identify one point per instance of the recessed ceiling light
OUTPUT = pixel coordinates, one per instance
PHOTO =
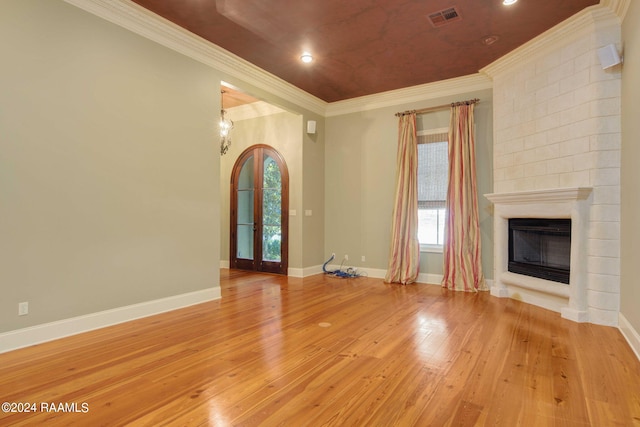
(306, 57)
(508, 2)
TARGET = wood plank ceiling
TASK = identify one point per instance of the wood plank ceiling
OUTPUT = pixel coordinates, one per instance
(362, 47)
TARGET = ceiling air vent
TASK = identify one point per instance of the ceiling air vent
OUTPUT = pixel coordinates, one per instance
(444, 17)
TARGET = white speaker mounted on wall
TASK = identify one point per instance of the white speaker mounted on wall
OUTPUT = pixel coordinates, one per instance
(609, 56)
(311, 126)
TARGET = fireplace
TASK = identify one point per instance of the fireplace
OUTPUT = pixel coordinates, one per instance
(570, 205)
(540, 247)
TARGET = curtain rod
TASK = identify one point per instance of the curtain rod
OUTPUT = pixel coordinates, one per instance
(438, 108)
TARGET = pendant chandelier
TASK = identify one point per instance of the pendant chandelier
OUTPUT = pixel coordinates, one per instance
(225, 127)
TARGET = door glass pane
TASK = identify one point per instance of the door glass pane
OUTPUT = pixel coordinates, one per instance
(271, 238)
(245, 207)
(245, 241)
(245, 180)
(245, 211)
(271, 210)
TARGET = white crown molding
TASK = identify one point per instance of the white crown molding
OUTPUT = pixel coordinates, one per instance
(443, 88)
(619, 7)
(141, 21)
(579, 25)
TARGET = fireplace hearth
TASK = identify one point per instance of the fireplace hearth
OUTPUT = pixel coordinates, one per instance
(540, 247)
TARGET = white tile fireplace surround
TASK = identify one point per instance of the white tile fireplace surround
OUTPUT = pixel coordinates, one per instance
(569, 300)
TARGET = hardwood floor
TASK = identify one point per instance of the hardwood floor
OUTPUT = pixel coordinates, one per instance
(324, 351)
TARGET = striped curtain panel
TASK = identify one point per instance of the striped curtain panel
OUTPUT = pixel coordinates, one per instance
(462, 262)
(404, 256)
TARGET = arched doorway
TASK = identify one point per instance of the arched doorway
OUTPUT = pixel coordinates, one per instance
(259, 217)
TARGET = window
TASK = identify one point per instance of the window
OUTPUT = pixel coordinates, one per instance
(433, 167)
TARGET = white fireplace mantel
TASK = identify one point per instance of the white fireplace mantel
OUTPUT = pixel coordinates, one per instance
(540, 196)
(570, 300)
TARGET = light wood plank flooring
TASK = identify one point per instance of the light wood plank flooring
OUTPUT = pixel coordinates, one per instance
(324, 351)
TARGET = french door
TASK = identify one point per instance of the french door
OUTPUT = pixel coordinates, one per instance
(259, 211)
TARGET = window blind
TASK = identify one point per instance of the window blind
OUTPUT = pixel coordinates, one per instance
(433, 167)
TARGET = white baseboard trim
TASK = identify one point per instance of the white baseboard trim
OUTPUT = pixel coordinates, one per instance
(295, 272)
(430, 279)
(38, 334)
(630, 334)
(291, 272)
(304, 272)
(424, 278)
(376, 273)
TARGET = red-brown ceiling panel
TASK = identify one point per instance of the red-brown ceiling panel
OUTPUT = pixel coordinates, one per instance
(363, 47)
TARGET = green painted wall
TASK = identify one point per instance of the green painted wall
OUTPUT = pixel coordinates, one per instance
(109, 190)
(630, 173)
(360, 180)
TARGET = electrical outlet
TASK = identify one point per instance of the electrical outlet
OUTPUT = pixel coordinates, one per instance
(363, 258)
(23, 308)
(346, 257)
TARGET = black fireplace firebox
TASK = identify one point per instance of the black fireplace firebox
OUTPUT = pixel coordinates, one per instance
(540, 247)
